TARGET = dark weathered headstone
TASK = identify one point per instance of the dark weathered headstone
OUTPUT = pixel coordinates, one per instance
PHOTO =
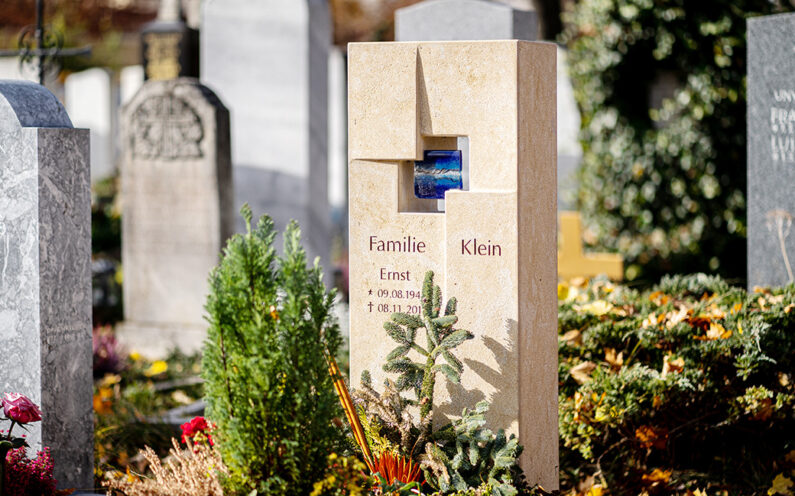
(45, 274)
(169, 47)
(771, 149)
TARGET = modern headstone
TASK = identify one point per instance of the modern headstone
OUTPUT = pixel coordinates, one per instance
(177, 211)
(572, 259)
(494, 245)
(269, 62)
(771, 150)
(45, 274)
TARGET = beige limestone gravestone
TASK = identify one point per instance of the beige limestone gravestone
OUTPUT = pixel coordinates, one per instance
(494, 246)
(176, 187)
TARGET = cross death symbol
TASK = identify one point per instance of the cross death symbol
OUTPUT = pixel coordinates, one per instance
(370, 306)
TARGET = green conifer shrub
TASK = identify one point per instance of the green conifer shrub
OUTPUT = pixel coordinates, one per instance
(267, 383)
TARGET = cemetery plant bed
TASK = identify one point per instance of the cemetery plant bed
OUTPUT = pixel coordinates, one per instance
(685, 387)
(132, 398)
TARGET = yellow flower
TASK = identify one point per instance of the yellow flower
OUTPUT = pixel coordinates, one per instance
(135, 356)
(563, 291)
(158, 367)
(598, 308)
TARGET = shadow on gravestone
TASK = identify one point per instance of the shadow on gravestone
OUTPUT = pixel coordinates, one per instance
(177, 212)
(45, 274)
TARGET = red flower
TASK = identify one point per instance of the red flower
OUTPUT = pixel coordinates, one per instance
(20, 409)
(197, 425)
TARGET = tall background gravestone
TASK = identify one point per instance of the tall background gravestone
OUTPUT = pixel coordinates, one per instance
(269, 62)
(45, 274)
(771, 149)
(177, 196)
(450, 20)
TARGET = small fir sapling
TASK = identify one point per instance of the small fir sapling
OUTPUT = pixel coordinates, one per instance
(441, 338)
(461, 456)
(267, 386)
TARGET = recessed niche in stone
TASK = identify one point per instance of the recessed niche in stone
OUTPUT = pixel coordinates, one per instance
(439, 171)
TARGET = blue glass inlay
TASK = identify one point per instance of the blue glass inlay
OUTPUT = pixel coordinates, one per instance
(439, 171)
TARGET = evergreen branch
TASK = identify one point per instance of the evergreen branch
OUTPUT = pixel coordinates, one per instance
(446, 321)
(427, 291)
(398, 352)
(452, 340)
(407, 320)
(395, 332)
(451, 306)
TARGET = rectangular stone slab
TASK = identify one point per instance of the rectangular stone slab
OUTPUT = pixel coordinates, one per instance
(771, 149)
(494, 246)
(45, 275)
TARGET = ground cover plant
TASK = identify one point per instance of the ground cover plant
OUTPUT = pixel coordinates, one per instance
(682, 388)
(267, 384)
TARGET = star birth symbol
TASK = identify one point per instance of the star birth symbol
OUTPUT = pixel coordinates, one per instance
(370, 292)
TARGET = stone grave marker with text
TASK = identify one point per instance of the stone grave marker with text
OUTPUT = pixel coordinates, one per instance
(45, 274)
(177, 211)
(771, 149)
(494, 245)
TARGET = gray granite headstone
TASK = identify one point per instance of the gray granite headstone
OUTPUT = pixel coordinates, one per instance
(177, 211)
(445, 20)
(45, 274)
(771, 150)
(269, 62)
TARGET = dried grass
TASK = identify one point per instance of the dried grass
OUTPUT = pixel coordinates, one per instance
(190, 472)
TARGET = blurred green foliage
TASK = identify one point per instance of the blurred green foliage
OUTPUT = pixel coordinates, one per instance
(661, 88)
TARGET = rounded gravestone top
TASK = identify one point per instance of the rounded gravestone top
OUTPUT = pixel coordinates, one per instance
(27, 104)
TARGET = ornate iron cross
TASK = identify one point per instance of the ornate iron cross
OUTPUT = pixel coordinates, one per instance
(42, 45)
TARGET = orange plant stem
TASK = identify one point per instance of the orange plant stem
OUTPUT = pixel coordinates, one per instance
(350, 411)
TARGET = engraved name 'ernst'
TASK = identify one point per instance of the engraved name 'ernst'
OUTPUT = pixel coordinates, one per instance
(408, 244)
(473, 247)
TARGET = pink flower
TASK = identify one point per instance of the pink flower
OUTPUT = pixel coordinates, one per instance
(20, 409)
